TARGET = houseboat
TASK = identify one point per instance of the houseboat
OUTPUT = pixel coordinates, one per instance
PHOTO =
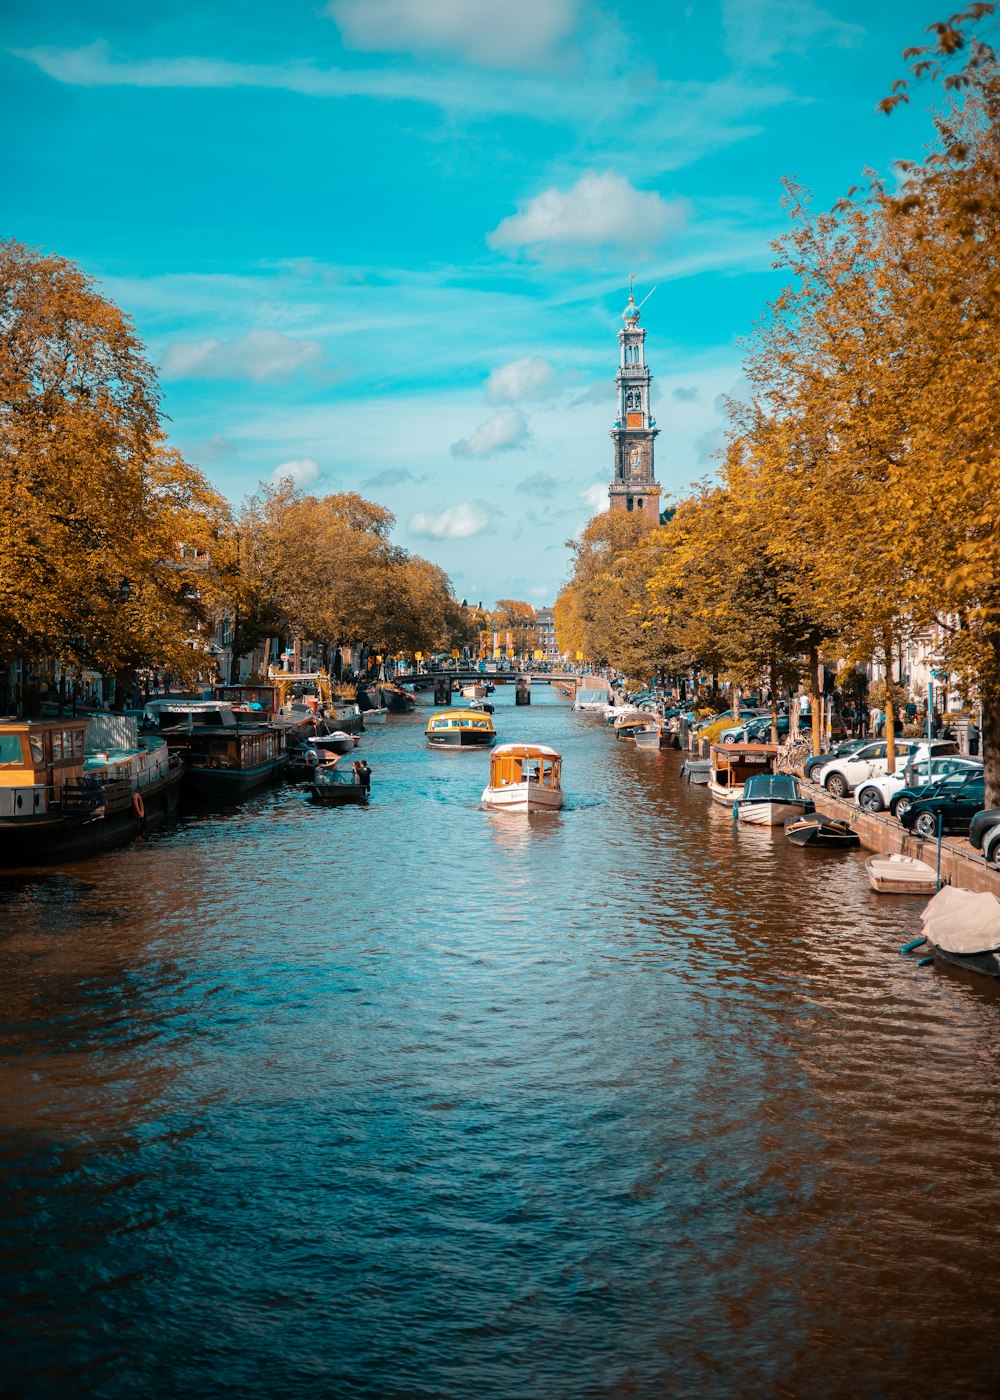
(460, 729)
(223, 756)
(70, 787)
(733, 764)
(524, 778)
(397, 700)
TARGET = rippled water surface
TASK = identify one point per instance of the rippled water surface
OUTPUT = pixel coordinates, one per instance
(424, 1101)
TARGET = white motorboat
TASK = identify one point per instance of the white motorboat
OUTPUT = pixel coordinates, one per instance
(474, 692)
(591, 699)
(376, 716)
(524, 778)
(769, 799)
(899, 874)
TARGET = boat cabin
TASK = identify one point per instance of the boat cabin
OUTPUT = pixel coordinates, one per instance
(734, 764)
(771, 787)
(525, 763)
(39, 760)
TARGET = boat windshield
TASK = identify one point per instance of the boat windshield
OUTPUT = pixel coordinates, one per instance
(771, 787)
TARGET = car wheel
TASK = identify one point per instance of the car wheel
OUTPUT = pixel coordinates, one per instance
(899, 805)
(870, 800)
(991, 846)
(836, 785)
(926, 825)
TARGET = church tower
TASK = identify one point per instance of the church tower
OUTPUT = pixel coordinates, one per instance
(634, 487)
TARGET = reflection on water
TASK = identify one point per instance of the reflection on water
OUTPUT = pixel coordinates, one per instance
(427, 1100)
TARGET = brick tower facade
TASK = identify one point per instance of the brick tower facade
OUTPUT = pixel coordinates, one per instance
(634, 486)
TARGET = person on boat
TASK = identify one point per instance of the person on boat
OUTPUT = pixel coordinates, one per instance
(355, 772)
(364, 774)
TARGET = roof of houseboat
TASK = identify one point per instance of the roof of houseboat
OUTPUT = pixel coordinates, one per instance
(457, 714)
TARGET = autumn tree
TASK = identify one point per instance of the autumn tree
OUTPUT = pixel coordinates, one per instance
(92, 509)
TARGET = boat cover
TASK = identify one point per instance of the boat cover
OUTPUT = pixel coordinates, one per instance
(771, 787)
(959, 921)
(592, 697)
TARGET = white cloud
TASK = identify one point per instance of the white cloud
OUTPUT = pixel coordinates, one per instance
(458, 522)
(391, 476)
(511, 34)
(527, 378)
(599, 211)
(501, 433)
(595, 498)
(757, 31)
(305, 472)
(262, 356)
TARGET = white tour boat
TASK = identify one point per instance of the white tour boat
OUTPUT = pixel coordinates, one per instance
(524, 778)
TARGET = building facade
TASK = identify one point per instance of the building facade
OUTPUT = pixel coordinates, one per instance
(634, 487)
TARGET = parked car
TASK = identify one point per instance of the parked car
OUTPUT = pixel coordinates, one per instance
(984, 834)
(844, 749)
(843, 775)
(953, 805)
(897, 790)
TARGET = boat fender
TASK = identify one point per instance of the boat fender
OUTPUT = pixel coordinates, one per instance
(925, 961)
(913, 943)
(138, 806)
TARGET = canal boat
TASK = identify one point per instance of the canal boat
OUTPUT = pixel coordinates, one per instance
(769, 799)
(633, 722)
(71, 787)
(253, 701)
(474, 691)
(733, 764)
(333, 788)
(460, 729)
(591, 699)
(524, 778)
(396, 699)
(223, 758)
(899, 874)
(821, 833)
(696, 770)
(963, 928)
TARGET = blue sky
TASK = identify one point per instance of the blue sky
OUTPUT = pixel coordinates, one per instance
(384, 245)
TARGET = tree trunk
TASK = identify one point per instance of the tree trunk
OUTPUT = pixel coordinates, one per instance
(890, 706)
(774, 704)
(990, 743)
(815, 690)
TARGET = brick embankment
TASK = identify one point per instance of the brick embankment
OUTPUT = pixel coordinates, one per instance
(960, 864)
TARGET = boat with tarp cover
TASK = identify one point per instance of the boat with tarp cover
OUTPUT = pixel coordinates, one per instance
(963, 928)
(769, 799)
(524, 778)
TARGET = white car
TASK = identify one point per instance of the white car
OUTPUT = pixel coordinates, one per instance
(843, 775)
(876, 794)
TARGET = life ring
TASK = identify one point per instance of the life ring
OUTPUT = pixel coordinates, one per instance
(138, 806)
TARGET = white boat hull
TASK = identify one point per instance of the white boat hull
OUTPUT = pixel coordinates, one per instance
(523, 797)
(375, 716)
(725, 796)
(900, 875)
(768, 813)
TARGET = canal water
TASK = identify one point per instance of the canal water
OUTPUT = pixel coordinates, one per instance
(425, 1101)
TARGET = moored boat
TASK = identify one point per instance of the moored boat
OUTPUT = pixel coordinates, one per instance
(769, 799)
(223, 758)
(71, 787)
(821, 833)
(634, 722)
(460, 729)
(397, 700)
(963, 928)
(733, 764)
(474, 692)
(899, 874)
(696, 770)
(524, 778)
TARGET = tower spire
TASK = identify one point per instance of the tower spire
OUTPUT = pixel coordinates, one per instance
(634, 487)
